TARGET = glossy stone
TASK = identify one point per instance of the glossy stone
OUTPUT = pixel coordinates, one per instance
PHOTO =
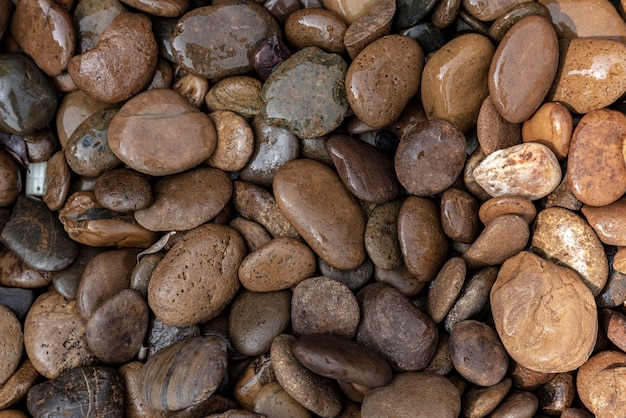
(445, 12)
(18, 385)
(350, 10)
(123, 190)
(557, 395)
(445, 288)
(489, 10)
(235, 141)
(368, 28)
(551, 125)
(516, 205)
(505, 21)
(239, 94)
(493, 131)
(473, 299)
(480, 401)
(429, 37)
(322, 28)
(91, 18)
(459, 215)
(608, 222)
(411, 12)
(165, 8)
(16, 273)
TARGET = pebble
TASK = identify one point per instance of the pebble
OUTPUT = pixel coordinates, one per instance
(454, 81)
(41, 146)
(429, 37)
(10, 179)
(472, 161)
(273, 400)
(411, 12)
(608, 222)
(473, 299)
(593, 183)
(614, 292)
(531, 292)
(31, 100)
(321, 305)
(493, 131)
(15, 273)
(152, 145)
(381, 236)
(235, 141)
(12, 345)
(459, 215)
(354, 279)
(17, 299)
(66, 281)
(186, 200)
(587, 79)
(160, 335)
(478, 402)
(184, 374)
(88, 222)
(202, 52)
(432, 395)
(130, 50)
(557, 395)
(321, 28)
(74, 109)
(368, 28)
(365, 171)
(350, 10)
(527, 379)
(489, 10)
(422, 241)
(599, 383)
(551, 125)
(91, 18)
(392, 325)
(519, 404)
(54, 336)
(45, 32)
(192, 88)
(324, 213)
(256, 318)
(252, 232)
(445, 288)
(503, 205)
(208, 257)
(613, 324)
(123, 190)
(505, 21)
(239, 94)
(280, 264)
(375, 75)
(337, 357)
(254, 377)
(316, 393)
(164, 8)
(445, 13)
(18, 385)
(134, 405)
(576, 413)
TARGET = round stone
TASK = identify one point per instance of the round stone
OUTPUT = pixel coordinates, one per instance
(235, 141)
(515, 205)
(551, 125)
(10, 179)
(445, 288)
(600, 383)
(12, 345)
(322, 28)
(239, 94)
(123, 190)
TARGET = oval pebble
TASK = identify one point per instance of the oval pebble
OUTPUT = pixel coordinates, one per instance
(600, 383)
(123, 190)
(235, 141)
(12, 345)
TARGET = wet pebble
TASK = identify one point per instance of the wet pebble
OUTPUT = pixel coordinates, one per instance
(239, 94)
(368, 28)
(459, 215)
(165, 8)
(252, 232)
(381, 236)
(322, 28)
(556, 395)
(91, 18)
(350, 10)
(16, 273)
(235, 141)
(488, 10)
(599, 383)
(411, 12)
(505, 21)
(551, 125)
(123, 190)
(516, 205)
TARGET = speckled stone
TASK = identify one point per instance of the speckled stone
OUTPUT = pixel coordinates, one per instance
(123, 190)
(235, 141)
(493, 131)
(305, 94)
(239, 94)
(368, 28)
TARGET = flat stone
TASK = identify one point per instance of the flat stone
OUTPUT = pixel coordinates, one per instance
(17, 274)
(240, 94)
(368, 28)
(123, 190)
(445, 288)
(459, 215)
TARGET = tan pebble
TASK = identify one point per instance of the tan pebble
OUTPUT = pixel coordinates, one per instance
(445, 288)
(478, 402)
(273, 400)
(552, 126)
(164, 8)
(318, 27)
(17, 386)
(459, 215)
(441, 363)
(527, 379)
(235, 141)
(519, 404)
(135, 406)
(239, 94)
(613, 324)
(252, 232)
(366, 29)
(516, 205)
(619, 260)
(486, 10)
(381, 236)
(350, 10)
(609, 222)
(12, 344)
(256, 375)
(192, 88)
(16, 273)
(493, 131)
(600, 383)
(474, 159)
(74, 109)
(563, 197)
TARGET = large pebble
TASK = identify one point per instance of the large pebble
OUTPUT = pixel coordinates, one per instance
(130, 52)
(305, 94)
(609, 222)
(368, 28)
(74, 108)
(18, 385)
(596, 171)
(123, 190)
(12, 345)
(493, 131)
(532, 293)
(564, 237)
(315, 201)
(322, 28)
(454, 81)
(530, 44)
(203, 52)
(588, 74)
(134, 405)
(479, 401)
(197, 278)
(383, 77)
(600, 383)
(153, 144)
(186, 200)
(161, 335)
(445, 288)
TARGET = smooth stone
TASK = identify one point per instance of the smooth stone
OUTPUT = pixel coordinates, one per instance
(477, 353)
(459, 215)
(89, 223)
(557, 395)
(350, 10)
(12, 345)
(29, 100)
(164, 8)
(587, 78)
(97, 389)
(15, 273)
(273, 147)
(252, 232)
(392, 325)
(123, 190)
(427, 35)
(486, 10)
(273, 400)
(282, 9)
(472, 161)
(208, 256)
(609, 222)
(129, 48)
(504, 22)
(604, 181)
(321, 28)
(203, 53)
(576, 413)
(161, 335)
(562, 196)
(375, 75)
(41, 145)
(239, 94)
(613, 324)
(10, 179)
(17, 386)
(422, 241)
(454, 81)
(501, 239)
(445, 288)
(17, 299)
(567, 239)
(503, 205)
(410, 12)
(365, 171)
(134, 405)
(163, 76)
(87, 151)
(600, 383)
(186, 200)
(445, 13)
(257, 204)
(586, 19)
(368, 28)
(315, 149)
(74, 109)
(530, 170)
(530, 44)
(321, 305)
(478, 402)
(256, 318)
(36, 236)
(551, 125)
(614, 292)
(339, 358)
(45, 32)
(519, 404)
(314, 105)
(441, 363)
(192, 88)
(531, 292)
(254, 377)
(316, 393)
(91, 18)
(381, 236)
(280, 264)
(466, 21)
(493, 131)
(421, 395)
(66, 281)
(269, 55)
(354, 279)
(55, 336)
(116, 329)
(527, 379)
(235, 141)
(184, 374)
(474, 298)
(315, 201)
(104, 276)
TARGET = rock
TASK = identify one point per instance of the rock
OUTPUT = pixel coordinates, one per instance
(91, 18)
(252, 232)
(445, 288)
(321, 28)
(429, 37)
(57, 182)
(10, 179)
(134, 405)
(15, 273)
(579, 57)
(354, 279)
(273, 400)
(18, 385)
(235, 141)
(493, 131)
(161, 335)
(12, 345)
(445, 13)
(130, 51)
(324, 213)
(381, 236)
(557, 395)
(202, 52)
(479, 401)
(599, 383)
(552, 126)
(411, 12)
(74, 109)
(550, 294)
(609, 222)
(503, 205)
(165, 8)
(7, 9)
(454, 81)
(66, 281)
(518, 404)
(350, 10)
(527, 379)
(373, 85)
(368, 28)
(154, 145)
(474, 298)
(257, 374)
(17, 299)
(123, 190)
(459, 215)
(489, 10)
(239, 94)
(505, 21)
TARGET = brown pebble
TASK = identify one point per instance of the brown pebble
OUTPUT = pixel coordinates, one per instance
(134, 405)
(400, 279)
(192, 88)
(15, 273)
(252, 232)
(586, 19)
(519, 404)
(488, 10)
(576, 413)
(515, 205)
(527, 379)
(123, 190)
(273, 400)
(493, 131)
(505, 21)
(12, 345)
(57, 182)
(473, 299)
(381, 236)
(373, 25)
(441, 363)
(474, 159)
(445, 12)
(613, 324)
(459, 215)
(600, 384)
(235, 141)
(10, 180)
(563, 197)
(556, 395)
(239, 94)
(478, 402)
(322, 28)
(551, 125)
(609, 222)
(18, 385)
(445, 288)
(256, 375)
